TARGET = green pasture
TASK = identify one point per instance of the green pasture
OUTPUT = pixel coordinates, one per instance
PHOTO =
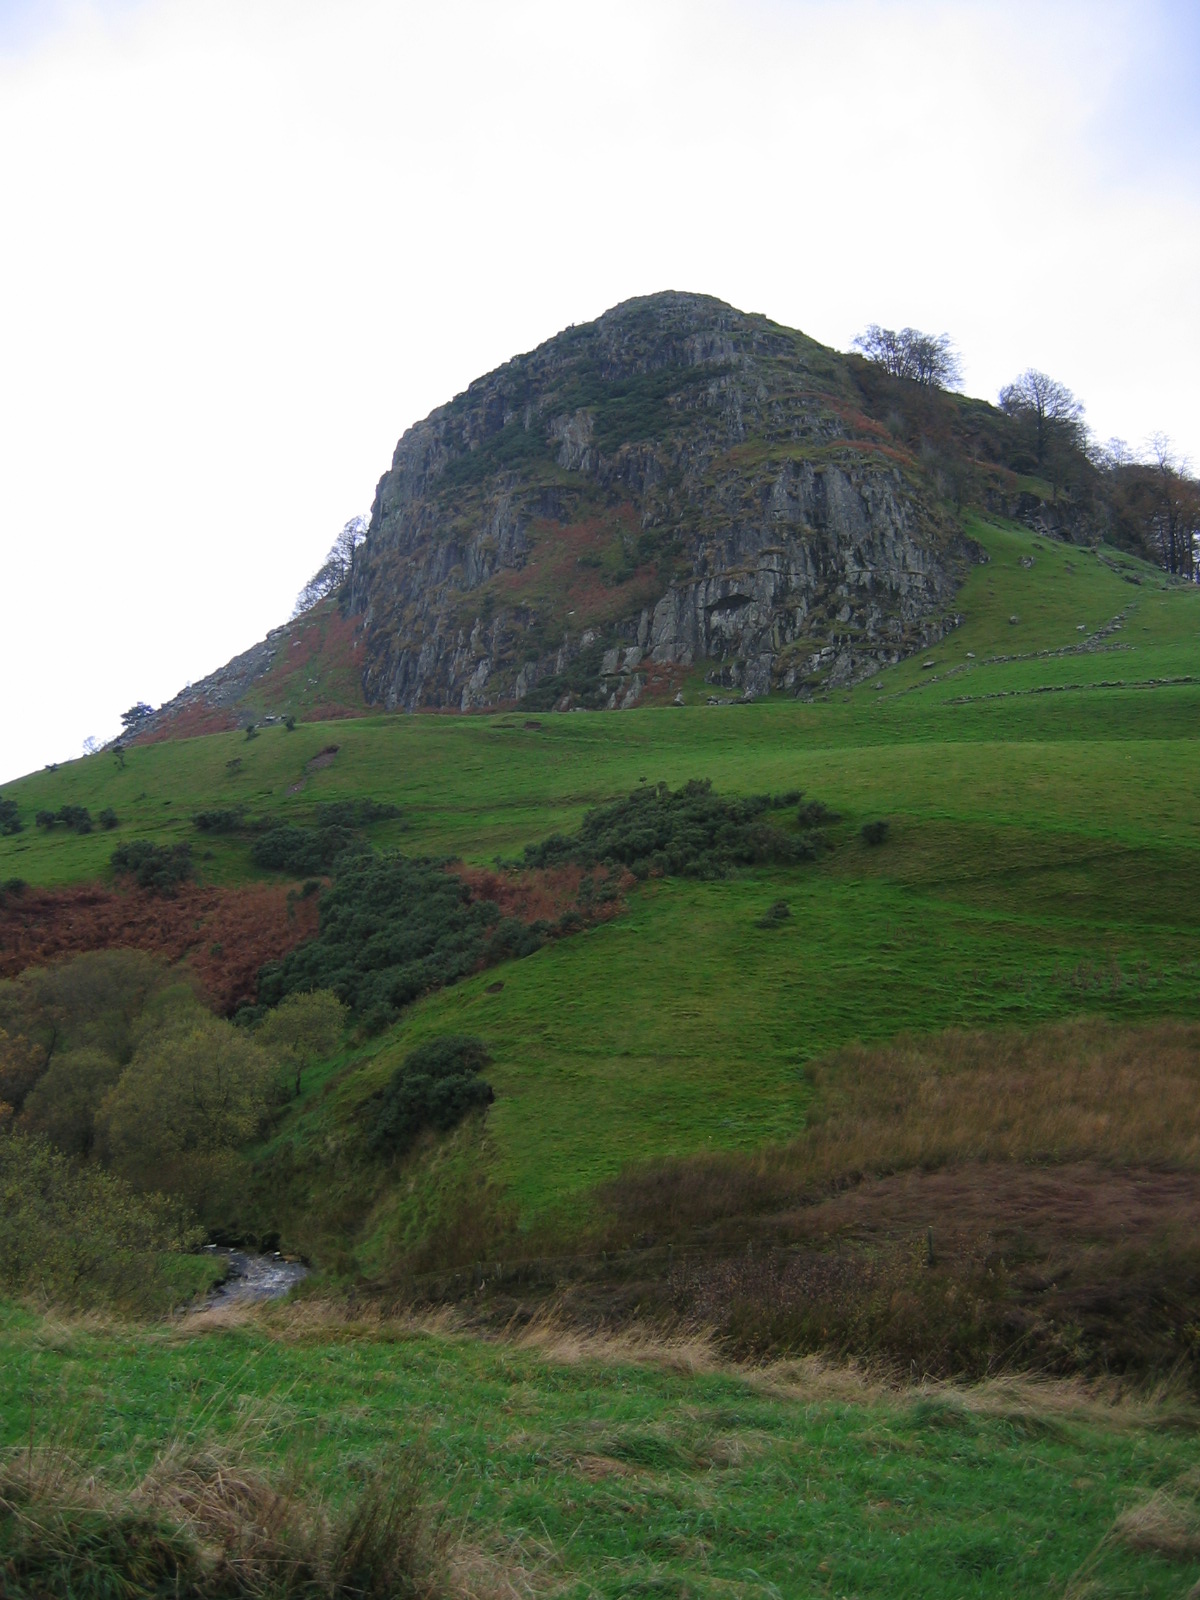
(1043, 858)
(606, 1478)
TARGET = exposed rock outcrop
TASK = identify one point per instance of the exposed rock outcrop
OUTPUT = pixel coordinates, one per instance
(676, 483)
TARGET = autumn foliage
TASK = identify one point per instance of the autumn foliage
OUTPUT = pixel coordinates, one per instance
(225, 934)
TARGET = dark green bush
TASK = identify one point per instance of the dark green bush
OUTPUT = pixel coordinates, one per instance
(434, 1087)
(302, 852)
(815, 814)
(160, 867)
(778, 911)
(10, 818)
(293, 847)
(688, 832)
(393, 929)
(108, 819)
(77, 818)
(227, 821)
(874, 832)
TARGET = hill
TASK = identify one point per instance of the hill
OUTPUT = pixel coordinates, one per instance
(676, 484)
(1041, 861)
(879, 1075)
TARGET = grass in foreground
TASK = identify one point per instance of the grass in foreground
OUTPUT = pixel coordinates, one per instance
(580, 1468)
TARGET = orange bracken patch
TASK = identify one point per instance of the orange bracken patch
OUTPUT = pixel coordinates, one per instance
(225, 935)
(542, 894)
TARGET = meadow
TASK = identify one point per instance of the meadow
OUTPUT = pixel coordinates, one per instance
(558, 1464)
(926, 1102)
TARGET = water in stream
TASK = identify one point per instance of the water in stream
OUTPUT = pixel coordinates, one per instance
(253, 1276)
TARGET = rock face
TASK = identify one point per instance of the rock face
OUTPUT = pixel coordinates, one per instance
(675, 484)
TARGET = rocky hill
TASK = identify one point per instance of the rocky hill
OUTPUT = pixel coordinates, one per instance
(676, 485)
(676, 492)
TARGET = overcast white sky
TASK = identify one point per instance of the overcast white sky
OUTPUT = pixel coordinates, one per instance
(246, 243)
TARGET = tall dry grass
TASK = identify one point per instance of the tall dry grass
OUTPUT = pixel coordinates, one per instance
(206, 1521)
(1089, 1089)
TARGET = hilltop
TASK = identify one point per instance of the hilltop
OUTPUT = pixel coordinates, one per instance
(676, 494)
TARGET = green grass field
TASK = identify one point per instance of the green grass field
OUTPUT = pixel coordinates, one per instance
(579, 1471)
(1040, 779)
(1044, 858)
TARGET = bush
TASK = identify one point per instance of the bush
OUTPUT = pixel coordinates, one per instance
(79, 1235)
(689, 832)
(779, 911)
(874, 833)
(108, 819)
(301, 852)
(391, 930)
(10, 819)
(77, 818)
(159, 867)
(815, 814)
(435, 1087)
(227, 821)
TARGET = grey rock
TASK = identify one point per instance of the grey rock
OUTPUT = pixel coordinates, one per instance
(799, 556)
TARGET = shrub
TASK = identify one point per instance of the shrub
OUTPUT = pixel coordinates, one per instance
(77, 818)
(391, 929)
(874, 833)
(815, 814)
(229, 820)
(301, 852)
(159, 867)
(778, 911)
(689, 832)
(10, 819)
(108, 819)
(80, 1235)
(435, 1087)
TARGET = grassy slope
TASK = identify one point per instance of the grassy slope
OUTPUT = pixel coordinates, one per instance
(1044, 858)
(606, 1477)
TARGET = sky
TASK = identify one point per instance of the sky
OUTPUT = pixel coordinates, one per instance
(246, 243)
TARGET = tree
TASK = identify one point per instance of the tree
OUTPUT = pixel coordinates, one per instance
(196, 1089)
(1157, 503)
(303, 1029)
(133, 719)
(79, 1235)
(64, 1101)
(335, 569)
(926, 358)
(22, 1062)
(1050, 416)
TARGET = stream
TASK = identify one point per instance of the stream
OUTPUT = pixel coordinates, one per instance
(253, 1276)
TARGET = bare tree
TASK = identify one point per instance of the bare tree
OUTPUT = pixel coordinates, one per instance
(1049, 410)
(925, 358)
(335, 569)
(1174, 509)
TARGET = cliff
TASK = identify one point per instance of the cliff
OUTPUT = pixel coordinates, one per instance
(677, 485)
